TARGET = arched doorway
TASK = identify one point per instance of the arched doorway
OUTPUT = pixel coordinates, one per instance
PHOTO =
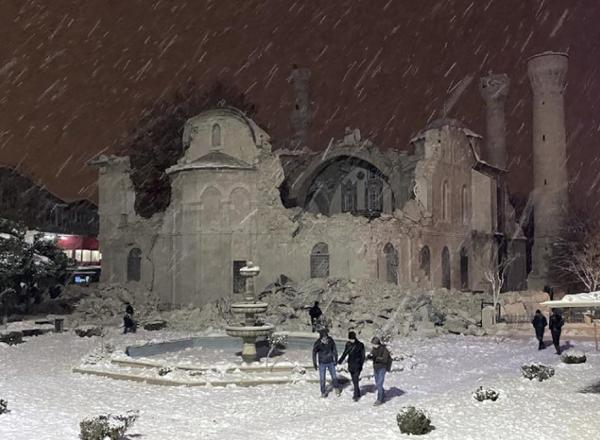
(391, 263)
(134, 265)
(464, 269)
(319, 261)
(446, 280)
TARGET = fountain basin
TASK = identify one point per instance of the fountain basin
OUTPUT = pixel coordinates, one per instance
(240, 308)
(243, 331)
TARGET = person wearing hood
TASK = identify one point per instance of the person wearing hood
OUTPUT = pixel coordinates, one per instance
(325, 351)
(382, 363)
(539, 324)
(355, 350)
(556, 324)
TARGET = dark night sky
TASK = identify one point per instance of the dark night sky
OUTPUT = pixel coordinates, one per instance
(75, 75)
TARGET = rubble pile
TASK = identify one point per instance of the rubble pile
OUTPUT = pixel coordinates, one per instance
(372, 307)
(369, 307)
(105, 304)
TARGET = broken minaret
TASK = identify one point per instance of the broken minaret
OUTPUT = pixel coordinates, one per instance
(494, 90)
(547, 73)
(301, 113)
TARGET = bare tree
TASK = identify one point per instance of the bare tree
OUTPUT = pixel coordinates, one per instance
(575, 256)
(494, 272)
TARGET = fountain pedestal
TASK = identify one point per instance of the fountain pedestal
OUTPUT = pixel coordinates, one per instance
(250, 307)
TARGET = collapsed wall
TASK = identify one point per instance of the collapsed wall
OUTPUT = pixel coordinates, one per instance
(367, 306)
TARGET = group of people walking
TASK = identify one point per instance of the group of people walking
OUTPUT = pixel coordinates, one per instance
(325, 358)
(540, 322)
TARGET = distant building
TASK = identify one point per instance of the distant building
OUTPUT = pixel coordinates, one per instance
(73, 225)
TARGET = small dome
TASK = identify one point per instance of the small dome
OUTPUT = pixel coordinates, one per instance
(440, 123)
(445, 122)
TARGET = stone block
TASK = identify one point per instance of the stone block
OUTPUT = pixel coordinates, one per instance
(487, 317)
(455, 326)
(87, 331)
(155, 325)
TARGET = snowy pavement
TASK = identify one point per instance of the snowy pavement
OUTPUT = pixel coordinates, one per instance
(47, 400)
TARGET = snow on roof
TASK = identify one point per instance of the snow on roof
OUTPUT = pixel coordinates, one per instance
(590, 299)
(215, 160)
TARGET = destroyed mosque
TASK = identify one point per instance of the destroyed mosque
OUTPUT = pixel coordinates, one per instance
(432, 215)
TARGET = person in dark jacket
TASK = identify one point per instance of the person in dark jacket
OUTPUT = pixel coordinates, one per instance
(382, 363)
(355, 350)
(315, 313)
(539, 323)
(129, 324)
(556, 324)
(325, 351)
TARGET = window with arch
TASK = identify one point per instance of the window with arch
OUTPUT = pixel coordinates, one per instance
(134, 265)
(445, 201)
(216, 135)
(446, 280)
(391, 263)
(465, 205)
(464, 269)
(425, 259)
(319, 261)
(349, 196)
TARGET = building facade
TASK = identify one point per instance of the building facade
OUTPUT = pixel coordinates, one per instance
(426, 218)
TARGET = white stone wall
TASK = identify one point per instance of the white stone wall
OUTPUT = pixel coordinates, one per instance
(220, 215)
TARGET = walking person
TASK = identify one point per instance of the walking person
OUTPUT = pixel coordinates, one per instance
(355, 350)
(325, 351)
(556, 324)
(382, 363)
(315, 313)
(539, 323)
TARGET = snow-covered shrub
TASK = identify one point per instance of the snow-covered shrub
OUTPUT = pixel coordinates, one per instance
(413, 420)
(163, 371)
(573, 357)
(482, 394)
(278, 341)
(107, 427)
(537, 371)
(3, 406)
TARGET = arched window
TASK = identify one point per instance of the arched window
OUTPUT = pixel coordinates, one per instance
(319, 261)
(446, 281)
(134, 265)
(349, 196)
(445, 201)
(374, 193)
(216, 135)
(391, 263)
(465, 205)
(426, 261)
(464, 269)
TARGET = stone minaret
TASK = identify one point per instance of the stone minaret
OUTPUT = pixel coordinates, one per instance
(494, 90)
(547, 73)
(302, 112)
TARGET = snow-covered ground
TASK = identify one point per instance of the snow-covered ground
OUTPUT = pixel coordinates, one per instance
(47, 400)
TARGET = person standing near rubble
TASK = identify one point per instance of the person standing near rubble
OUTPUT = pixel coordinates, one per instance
(315, 314)
(355, 350)
(382, 363)
(129, 324)
(325, 351)
(539, 323)
(556, 324)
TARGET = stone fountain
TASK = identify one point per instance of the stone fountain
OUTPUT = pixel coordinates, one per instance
(250, 308)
